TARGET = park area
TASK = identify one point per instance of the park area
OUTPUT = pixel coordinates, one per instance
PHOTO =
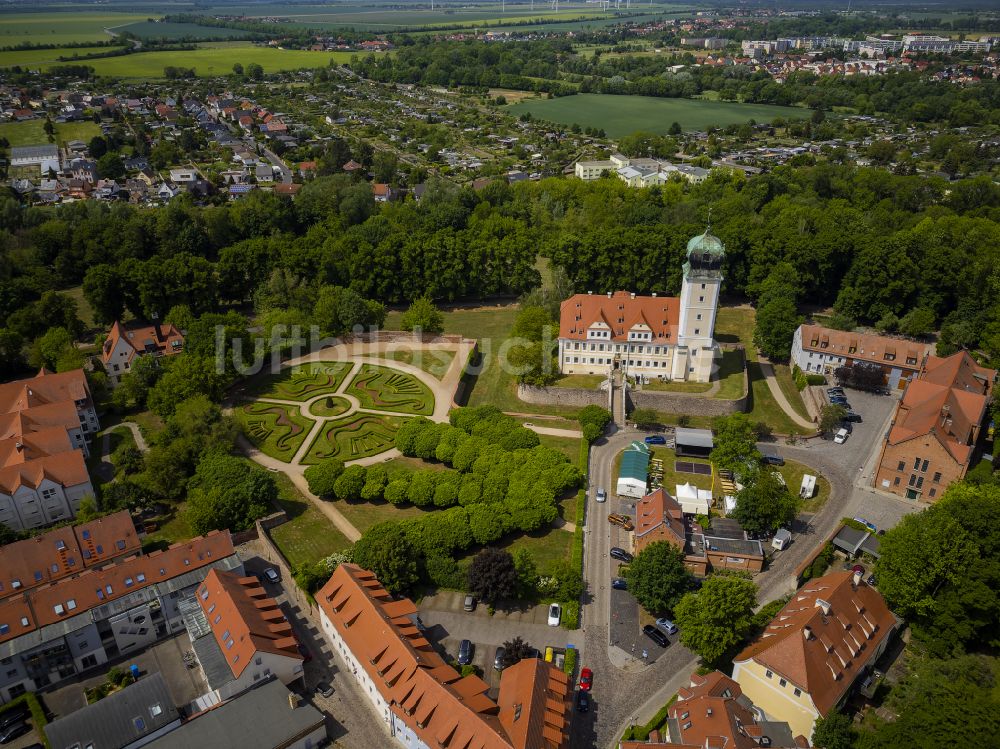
(619, 116)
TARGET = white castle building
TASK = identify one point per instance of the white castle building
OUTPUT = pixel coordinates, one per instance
(667, 338)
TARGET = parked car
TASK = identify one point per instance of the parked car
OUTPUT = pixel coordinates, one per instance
(656, 635)
(465, 652)
(555, 614)
(324, 689)
(774, 460)
(858, 569)
(15, 731)
(470, 603)
(841, 401)
(582, 702)
(667, 626)
(602, 496)
(871, 580)
(619, 583)
(853, 416)
(867, 524)
(498, 658)
(620, 554)
(621, 520)
(11, 717)
(841, 436)
(656, 439)
(586, 679)
(272, 575)
(835, 391)
(848, 426)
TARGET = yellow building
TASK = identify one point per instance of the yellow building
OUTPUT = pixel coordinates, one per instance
(807, 659)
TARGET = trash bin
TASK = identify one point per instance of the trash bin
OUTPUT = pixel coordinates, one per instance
(134, 669)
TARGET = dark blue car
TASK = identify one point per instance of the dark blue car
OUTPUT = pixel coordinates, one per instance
(656, 439)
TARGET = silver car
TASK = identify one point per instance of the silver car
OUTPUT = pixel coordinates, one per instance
(667, 626)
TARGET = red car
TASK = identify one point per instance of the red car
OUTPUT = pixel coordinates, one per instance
(586, 679)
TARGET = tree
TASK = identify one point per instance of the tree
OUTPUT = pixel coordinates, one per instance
(658, 578)
(527, 572)
(350, 483)
(237, 68)
(765, 504)
(185, 377)
(492, 575)
(718, 617)
(835, 731)
(50, 348)
(532, 323)
(645, 417)
(424, 316)
(254, 71)
(593, 421)
(776, 323)
(229, 493)
(917, 322)
(323, 476)
(9, 536)
(735, 447)
(515, 650)
(385, 550)
(831, 416)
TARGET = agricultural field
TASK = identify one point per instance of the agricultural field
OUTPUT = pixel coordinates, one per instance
(32, 132)
(62, 27)
(384, 389)
(621, 115)
(357, 436)
(274, 429)
(213, 59)
(302, 382)
(168, 30)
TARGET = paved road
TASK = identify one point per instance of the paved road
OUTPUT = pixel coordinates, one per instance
(286, 173)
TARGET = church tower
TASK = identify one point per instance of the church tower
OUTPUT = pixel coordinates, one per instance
(696, 346)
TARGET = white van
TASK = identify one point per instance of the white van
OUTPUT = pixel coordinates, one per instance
(840, 437)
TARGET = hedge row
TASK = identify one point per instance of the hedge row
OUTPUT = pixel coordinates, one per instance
(641, 733)
(38, 716)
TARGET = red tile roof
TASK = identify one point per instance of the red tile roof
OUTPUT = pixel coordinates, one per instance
(440, 706)
(620, 312)
(947, 399)
(244, 620)
(66, 469)
(141, 337)
(43, 389)
(656, 509)
(904, 353)
(94, 587)
(824, 636)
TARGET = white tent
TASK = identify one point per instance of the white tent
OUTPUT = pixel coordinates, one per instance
(693, 501)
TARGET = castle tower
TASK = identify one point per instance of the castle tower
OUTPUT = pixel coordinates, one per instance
(696, 346)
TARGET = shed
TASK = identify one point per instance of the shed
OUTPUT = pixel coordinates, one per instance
(850, 540)
(632, 475)
(693, 443)
(693, 501)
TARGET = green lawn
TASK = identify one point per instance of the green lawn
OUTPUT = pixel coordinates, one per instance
(363, 515)
(308, 536)
(547, 546)
(672, 478)
(591, 382)
(730, 376)
(32, 132)
(212, 59)
(387, 389)
(302, 382)
(274, 429)
(32, 57)
(83, 309)
(434, 362)
(77, 25)
(330, 406)
(783, 374)
(677, 387)
(173, 528)
(621, 115)
(353, 437)
(568, 446)
(793, 472)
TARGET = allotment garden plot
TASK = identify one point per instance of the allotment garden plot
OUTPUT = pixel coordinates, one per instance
(331, 409)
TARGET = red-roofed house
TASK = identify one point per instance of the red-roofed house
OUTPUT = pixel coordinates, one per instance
(127, 341)
(249, 631)
(807, 659)
(422, 700)
(935, 428)
(666, 338)
(45, 423)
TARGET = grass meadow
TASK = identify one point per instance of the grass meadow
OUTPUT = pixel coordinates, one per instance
(621, 115)
(32, 132)
(61, 27)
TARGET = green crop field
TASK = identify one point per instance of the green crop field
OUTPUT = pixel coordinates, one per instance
(621, 115)
(32, 57)
(213, 59)
(32, 132)
(61, 28)
(169, 30)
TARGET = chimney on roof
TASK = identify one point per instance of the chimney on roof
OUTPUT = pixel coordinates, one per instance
(807, 632)
(156, 326)
(293, 700)
(654, 293)
(825, 605)
(590, 293)
(19, 446)
(856, 579)
(609, 295)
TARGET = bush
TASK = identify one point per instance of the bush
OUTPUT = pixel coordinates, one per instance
(815, 379)
(569, 663)
(799, 377)
(820, 563)
(593, 421)
(570, 615)
(38, 716)
(444, 572)
(323, 476)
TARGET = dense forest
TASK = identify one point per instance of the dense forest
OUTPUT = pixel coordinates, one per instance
(551, 65)
(874, 245)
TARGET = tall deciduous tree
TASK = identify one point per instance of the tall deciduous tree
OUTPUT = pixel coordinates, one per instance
(385, 550)
(423, 315)
(658, 578)
(717, 618)
(765, 504)
(735, 439)
(492, 575)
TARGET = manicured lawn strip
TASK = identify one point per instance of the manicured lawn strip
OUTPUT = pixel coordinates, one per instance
(783, 374)
(308, 536)
(433, 362)
(273, 428)
(363, 515)
(300, 383)
(353, 437)
(386, 389)
(590, 382)
(568, 446)
(677, 387)
(730, 376)
(793, 473)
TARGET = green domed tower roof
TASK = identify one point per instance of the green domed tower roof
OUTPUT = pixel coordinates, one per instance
(705, 254)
